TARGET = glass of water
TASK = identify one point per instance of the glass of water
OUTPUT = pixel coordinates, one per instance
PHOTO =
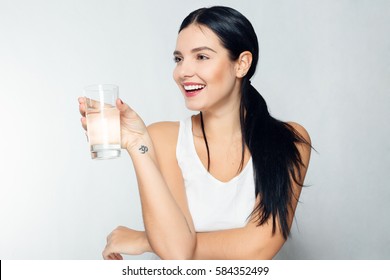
(103, 121)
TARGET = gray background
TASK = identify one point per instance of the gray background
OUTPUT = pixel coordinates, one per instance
(324, 64)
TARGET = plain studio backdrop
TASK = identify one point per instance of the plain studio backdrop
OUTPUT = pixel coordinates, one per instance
(323, 64)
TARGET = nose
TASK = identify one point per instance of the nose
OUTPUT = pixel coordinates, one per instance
(184, 69)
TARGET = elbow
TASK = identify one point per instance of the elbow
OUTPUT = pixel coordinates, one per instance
(263, 255)
(266, 251)
(178, 254)
(177, 251)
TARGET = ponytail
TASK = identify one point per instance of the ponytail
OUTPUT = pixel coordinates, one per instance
(276, 159)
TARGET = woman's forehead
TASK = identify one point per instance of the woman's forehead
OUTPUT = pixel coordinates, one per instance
(195, 35)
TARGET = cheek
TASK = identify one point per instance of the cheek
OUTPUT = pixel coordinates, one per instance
(222, 73)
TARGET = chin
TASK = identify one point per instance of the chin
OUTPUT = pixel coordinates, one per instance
(193, 106)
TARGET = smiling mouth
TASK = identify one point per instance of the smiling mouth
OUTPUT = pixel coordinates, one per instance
(192, 89)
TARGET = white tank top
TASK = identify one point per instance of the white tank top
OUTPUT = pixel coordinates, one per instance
(214, 205)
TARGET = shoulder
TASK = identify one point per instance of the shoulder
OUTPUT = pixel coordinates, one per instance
(301, 131)
(164, 131)
(304, 147)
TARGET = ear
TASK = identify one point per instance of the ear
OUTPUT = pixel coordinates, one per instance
(244, 62)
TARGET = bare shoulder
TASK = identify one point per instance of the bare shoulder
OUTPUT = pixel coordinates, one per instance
(301, 130)
(304, 148)
(164, 133)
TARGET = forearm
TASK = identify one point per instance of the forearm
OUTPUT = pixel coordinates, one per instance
(239, 243)
(167, 229)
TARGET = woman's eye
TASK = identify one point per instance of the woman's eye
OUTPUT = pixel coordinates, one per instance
(177, 59)
(202, 57)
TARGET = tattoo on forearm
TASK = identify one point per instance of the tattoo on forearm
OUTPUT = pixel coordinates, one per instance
(143, 149)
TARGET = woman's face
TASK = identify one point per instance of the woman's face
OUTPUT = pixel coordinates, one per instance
(204, 71)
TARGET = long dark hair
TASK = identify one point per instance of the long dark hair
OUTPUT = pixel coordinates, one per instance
(272, 143)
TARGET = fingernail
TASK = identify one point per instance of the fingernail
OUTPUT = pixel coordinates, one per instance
(121, 101)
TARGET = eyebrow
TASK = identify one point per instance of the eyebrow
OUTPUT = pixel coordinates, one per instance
(176, 52)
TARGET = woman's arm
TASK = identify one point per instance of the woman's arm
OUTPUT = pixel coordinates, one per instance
(249, 242)
(168, 224)
(169, 229)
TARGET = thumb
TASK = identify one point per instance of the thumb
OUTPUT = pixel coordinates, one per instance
(122, 107)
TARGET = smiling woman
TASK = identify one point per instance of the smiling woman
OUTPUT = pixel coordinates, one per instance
(232, 194)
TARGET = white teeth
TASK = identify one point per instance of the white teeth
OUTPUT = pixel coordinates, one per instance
(193, 87)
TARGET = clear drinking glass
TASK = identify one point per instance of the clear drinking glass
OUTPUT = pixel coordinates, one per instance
(103, 121)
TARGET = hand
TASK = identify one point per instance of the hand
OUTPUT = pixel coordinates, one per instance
(127, 241)
(133, 128)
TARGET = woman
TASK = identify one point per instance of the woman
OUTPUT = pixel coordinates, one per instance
(223, 184)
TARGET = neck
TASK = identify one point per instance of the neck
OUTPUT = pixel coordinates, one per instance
(222, 121)
(225, 125)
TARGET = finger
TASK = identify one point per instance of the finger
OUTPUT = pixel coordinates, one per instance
(91, 103)
(114, 256)
(107, 254)
(82, 106)
(81, 100)
(95, 104)
(117, 256)
(84, 123)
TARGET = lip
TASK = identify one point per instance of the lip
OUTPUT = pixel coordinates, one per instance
(194, 92)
